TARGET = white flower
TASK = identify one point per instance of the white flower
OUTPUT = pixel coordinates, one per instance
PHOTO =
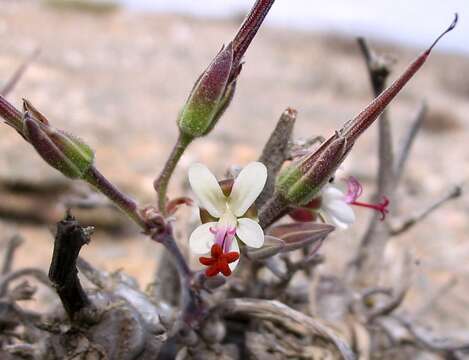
(335, 208)
(227, 209)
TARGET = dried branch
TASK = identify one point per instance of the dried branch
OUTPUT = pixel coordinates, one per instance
(14, 242)
(432, 299)
(69, 239)
(38, 274)
(428, 341)
(13, 80)
(306, 264)
(406, 224)
(396, 298)
(408, 141)
(275, 152)
(291, 319)
(166, 286)
(391, 305)
(374, 241)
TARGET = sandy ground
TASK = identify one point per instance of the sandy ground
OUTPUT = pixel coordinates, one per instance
(118, 81)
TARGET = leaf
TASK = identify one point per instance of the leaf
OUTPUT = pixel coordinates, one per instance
(299, 235)
(272, 246)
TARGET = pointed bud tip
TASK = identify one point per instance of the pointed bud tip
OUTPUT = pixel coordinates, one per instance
(450, 27)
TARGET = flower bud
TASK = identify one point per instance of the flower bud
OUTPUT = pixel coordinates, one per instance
(211, 95)
(64, 152)
(302, 180)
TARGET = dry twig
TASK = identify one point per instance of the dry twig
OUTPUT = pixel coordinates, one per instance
(13, 244)
(408, 140)
(13, 80)
(275, 152)
(291, 319)
(372, 246)
(408, 223)
(69, 239)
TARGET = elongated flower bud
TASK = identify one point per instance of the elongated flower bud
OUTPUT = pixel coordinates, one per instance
(64, 152)
(215, 88)
(303, 179)
(210, 96)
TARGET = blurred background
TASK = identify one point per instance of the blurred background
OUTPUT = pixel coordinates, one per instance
(116, 74)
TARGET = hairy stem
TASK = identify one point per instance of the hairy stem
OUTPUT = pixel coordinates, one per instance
(121, 200)
(11, 115)
(161, 184)
(273, 210)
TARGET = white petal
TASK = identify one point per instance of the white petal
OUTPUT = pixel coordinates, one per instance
(234, 247)
(206, 188)
(250, 232)
(341, 212)
(330, 193)
(337, 223)
(201, 239)
(247, 187)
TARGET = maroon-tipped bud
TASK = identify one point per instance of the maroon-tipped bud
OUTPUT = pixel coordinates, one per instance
(303, 179)
(210, 96)
(214, 90)
(354, 128)
(249, 28)
(64, 152)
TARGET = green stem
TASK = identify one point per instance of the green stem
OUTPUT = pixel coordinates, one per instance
(161, 184)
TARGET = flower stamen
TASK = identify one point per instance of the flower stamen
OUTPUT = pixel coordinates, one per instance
(354, 191)
(381, 207)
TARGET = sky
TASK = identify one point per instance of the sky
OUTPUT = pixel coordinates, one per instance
(410, 22)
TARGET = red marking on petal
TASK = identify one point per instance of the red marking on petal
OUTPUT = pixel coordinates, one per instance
(219, 261)
(216, 251)
(207, 261)
(212, 271)
(231, 256)
(224, 268)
